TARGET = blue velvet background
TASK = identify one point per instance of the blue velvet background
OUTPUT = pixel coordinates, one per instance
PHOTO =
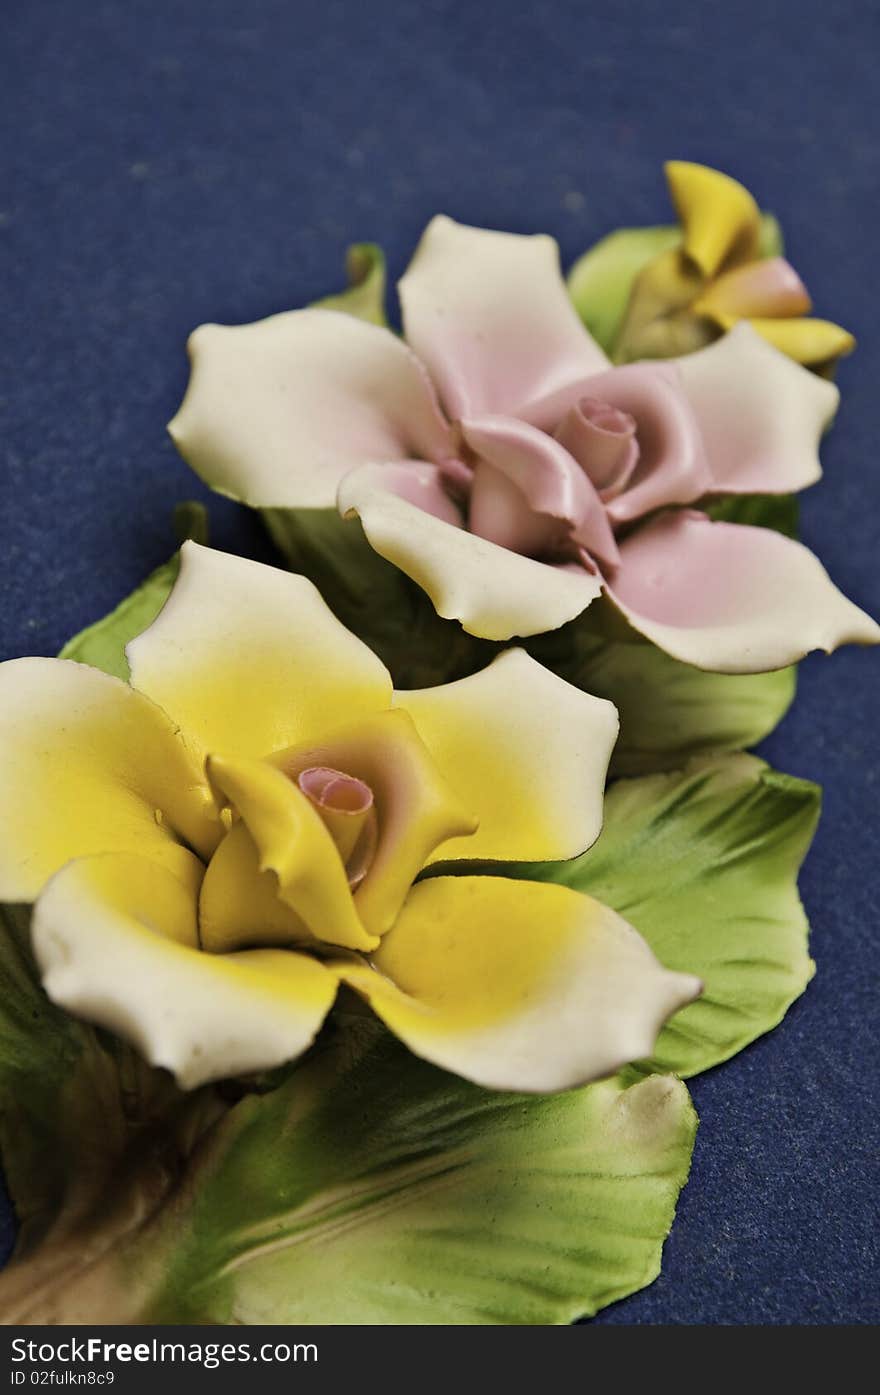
(168, 163)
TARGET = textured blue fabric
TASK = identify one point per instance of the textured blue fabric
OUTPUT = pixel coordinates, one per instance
(170, 163)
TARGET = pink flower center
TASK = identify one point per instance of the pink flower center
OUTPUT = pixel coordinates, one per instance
(347, 808)
(602, 439)
(561, 488)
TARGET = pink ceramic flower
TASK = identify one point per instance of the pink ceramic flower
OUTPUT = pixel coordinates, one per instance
(498, 460)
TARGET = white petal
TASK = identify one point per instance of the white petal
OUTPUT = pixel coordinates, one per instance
(278, 411)
(116, 941)
(760, 414)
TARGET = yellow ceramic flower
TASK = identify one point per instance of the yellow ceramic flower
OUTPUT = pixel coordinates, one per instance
(689, 294)
(213, 849)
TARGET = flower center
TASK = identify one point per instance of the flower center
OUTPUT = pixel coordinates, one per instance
(532, 494)
(602, 439)
(347, 808)
(500, 511)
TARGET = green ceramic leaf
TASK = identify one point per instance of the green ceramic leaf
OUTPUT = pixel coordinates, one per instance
(374, 599)
(73, 1103)
(102, 645)
(777, 511)
(382, 1190)
(365, 297)
(368, 1187)
(41, 1051)
(770, 240)
(669, 711)
(704, 863)
(600, 281)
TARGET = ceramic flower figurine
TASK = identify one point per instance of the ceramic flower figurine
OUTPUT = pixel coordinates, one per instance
(216, 848)
(707, 275)
(499, 460)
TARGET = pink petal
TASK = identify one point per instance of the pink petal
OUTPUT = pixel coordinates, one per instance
(277, 412)
(730, 598)
(770, 287)
(333, 789)
(489, 314)
(342, 800)
(603, 441)
(551, 485)
(761, 416)
(671, 466)
(499, 511)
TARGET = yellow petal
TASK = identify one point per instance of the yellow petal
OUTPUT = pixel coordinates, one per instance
(416, 806)
(239, 904)
(720, 219)
(665, 285)
(115, 940)
(518, 985)
(658, 322)
(249, 659)
(89, 766)
(294, 843)
(808, 341)
(523, 749)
